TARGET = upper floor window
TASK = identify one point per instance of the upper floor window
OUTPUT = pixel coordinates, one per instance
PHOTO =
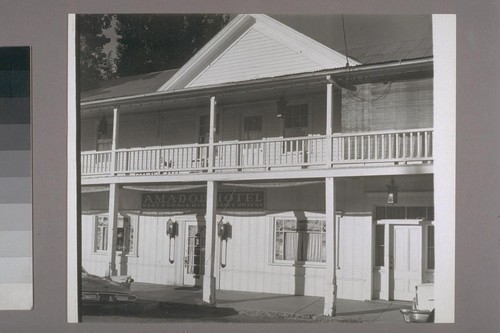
(299, 240)
(204, 132)
(296, 116)
(104, 134)
(252, 127)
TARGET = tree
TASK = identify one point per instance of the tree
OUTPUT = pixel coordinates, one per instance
(95, 63)
(149, 43)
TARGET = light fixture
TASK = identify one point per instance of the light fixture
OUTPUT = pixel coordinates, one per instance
(392, 192)
(281, 109)
(171, 233)
(171, 228)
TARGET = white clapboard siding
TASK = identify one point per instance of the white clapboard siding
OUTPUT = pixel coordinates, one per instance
(151, 263)
(249, 266)
(254, 55)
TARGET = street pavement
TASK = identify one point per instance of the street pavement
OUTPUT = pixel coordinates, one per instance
(161, 303)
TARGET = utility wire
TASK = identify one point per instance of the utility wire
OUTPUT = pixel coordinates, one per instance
(351, 94)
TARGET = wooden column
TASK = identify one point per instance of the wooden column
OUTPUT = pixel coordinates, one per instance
(114, 143)
(386, 278)
(331, 250)
(329, 122)
(210, 242)
(211, 135)
(112, 227)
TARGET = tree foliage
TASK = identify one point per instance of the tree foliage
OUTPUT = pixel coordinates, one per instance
(95, 63)
(149, 43)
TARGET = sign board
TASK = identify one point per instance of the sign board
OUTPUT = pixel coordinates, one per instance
(198, 200)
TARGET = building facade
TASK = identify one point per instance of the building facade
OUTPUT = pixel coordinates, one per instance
(265, 164)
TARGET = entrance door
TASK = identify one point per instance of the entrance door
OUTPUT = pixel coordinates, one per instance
(406, 261)
(194, 254)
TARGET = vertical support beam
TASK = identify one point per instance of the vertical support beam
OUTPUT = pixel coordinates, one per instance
(112, 227)
(73, 218)
(114, 143)
(386, 278)
(210, 241)
(331, 248)
(445, 171)
(329, 121)
(211, 135)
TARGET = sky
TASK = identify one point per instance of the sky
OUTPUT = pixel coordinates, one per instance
(361, 30)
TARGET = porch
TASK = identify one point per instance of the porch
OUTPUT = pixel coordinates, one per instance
(318, 151)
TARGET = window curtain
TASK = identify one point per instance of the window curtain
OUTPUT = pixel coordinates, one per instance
(309, 248)
(312, 244)
(291, 245)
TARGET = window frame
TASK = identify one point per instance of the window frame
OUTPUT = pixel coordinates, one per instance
(122, 220)
(380, 247)
(427, 247)
(307, 263)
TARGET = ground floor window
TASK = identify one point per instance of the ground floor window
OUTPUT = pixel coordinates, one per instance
(125, 235)
(299, 240)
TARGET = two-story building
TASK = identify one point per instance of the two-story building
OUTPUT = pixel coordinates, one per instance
(266, 164)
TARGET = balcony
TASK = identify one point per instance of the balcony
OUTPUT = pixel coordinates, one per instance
(338, 150)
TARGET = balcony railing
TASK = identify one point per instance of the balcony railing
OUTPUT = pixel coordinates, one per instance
(301, 152)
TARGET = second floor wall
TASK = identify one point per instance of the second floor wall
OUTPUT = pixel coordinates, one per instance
(397, 105)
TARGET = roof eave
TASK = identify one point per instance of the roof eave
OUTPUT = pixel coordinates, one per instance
(197, 92)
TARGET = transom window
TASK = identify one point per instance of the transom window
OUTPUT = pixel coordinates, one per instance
(299, 240)
(125, 235)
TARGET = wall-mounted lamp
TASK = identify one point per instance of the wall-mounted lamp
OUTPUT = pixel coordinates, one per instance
(392, 192)
(172, 228)
(281, 107)
(172, 232)
(223, 231)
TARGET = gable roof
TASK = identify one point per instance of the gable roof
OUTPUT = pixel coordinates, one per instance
(393, 51)
(254, 46)
(128, 85)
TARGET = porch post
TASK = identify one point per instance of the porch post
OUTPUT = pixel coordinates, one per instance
(112, 228)
(331, 249)
(329, 120)
(211, 135)
(114, 143)
(210, 241)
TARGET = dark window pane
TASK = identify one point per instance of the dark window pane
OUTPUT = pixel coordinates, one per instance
(379, 245)
(430, 247)
(416, 213)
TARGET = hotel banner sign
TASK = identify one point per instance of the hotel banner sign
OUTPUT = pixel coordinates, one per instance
(198, 200)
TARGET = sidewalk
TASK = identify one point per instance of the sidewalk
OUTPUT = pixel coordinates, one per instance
(274, 305)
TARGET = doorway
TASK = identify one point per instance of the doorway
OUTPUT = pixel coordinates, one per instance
(405, 261)
(194, 254)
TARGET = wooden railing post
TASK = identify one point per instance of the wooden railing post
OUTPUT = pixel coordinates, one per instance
(329, 121)
(114, 143)
(211, 135)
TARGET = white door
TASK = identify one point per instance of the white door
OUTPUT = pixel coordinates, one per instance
(406, 261)
(194, 254)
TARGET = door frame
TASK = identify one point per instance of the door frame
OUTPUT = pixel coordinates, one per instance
(184, 280)
(387, 271)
